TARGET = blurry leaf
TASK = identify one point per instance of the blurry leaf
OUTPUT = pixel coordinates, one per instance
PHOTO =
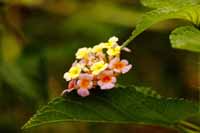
(113, 13)
(190, 13)
(120, 105)
(187, 38)
(23, 2)
(168, 3)
(107, 13)
(33, 62)
(38, 74)
(15, 77)
(10, 47)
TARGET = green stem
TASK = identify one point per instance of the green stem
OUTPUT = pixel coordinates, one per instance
(128, 41)
(188, 124)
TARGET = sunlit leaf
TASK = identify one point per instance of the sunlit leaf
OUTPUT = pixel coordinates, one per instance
(168, 3)
(190, 13)
(187, 38)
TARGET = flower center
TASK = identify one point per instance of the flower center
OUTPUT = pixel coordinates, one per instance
(84, 83)
(119, 65)
(106, 79)
(74, 71)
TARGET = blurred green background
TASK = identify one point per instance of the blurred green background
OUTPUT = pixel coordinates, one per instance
(38, 40)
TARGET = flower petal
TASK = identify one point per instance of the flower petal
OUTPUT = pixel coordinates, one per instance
(100, 83)
(113, 62)
(66, 91)
(126, 49)
(66, 76)
(124, 61)
(72, 84)
(83, 92)
(98, 67)
(107, 86)
(113, 39)
(114, 79)
(86, 76)
(108, 72)
(114, 51)
(117, 70)
(126, 69)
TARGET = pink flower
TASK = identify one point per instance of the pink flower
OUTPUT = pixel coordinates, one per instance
(74, 63)
(126, 49)
(120, 66)
(83, 92)
(97, 66)
(106, 80)
(72, 84)
(84, 83)
(71, 87)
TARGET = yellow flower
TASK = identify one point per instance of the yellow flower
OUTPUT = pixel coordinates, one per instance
(109, 45)
(73, 72)
(98, 67)
(114, 51)
(111, 42)
(113, 39)
(98, 48)
(83, 53)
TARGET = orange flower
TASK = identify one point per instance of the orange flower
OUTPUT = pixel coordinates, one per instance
(119, 66)
(97, 66)
(84, 83)
(71, 86)
(106, 80)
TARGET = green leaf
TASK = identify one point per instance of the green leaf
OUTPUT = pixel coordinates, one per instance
(191, 13)
(187, 38)
(147, 91)
(119, 105)
(168, 3)
(15, 78)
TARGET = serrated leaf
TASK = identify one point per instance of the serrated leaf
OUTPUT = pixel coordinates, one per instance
(190, 13)
(168, 3)
(119, 105)
(187, 38)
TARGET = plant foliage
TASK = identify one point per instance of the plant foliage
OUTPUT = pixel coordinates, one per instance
(120, 105)
(169, 3)
(187, 38)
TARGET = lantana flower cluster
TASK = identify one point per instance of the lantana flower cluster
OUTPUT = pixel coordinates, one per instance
(97, 66)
